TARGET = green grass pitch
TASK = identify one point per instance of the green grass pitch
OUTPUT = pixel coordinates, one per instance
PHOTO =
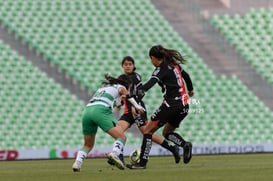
(245, 167)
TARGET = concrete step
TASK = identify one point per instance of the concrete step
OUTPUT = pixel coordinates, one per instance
(190, 25)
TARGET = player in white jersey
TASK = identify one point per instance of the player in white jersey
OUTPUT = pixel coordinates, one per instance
(98, 113)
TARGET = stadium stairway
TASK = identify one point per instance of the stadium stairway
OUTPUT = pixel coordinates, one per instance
(212, 46)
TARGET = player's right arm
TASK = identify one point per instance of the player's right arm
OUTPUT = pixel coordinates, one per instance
(125, 95)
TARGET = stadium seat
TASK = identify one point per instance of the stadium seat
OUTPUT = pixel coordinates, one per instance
(251, 35)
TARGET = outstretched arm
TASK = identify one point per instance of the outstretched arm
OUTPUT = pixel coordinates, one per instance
(145, 87)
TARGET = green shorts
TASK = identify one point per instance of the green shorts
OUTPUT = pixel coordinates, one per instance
(97, 116)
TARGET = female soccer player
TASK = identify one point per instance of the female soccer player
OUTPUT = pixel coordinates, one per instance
(130, 116)
(174, 108)
(98, 113)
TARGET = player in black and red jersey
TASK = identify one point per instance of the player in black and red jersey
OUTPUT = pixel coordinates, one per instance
(130, 116)
(174, 108)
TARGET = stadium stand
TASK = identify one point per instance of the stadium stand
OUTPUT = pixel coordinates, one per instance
(88, 39)
(35, 111)
(251, 36)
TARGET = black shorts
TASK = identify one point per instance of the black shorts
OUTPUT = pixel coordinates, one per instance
(171, 113)
(140, 120)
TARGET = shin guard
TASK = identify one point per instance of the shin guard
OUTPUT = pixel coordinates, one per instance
(145, 149)
(176, 139)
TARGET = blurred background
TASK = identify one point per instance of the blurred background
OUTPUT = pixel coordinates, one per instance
(54, 54)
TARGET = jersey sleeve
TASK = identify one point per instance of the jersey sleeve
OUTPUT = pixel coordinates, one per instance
(156, 76)
(149, 84)
(187, 79)
(137, 80)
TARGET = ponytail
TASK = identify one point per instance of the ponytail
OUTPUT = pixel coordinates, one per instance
(122, 80)
(169, 55)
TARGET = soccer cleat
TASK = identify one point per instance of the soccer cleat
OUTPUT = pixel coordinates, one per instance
(187, 152)
(76, 166)
(110, 162)
(176, 154)
(113, 158)
(135, 166)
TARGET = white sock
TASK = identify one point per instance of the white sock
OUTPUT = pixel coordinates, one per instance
(81, 156)
(118, 147)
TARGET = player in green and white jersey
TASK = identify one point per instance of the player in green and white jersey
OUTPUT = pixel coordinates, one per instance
(98, 113)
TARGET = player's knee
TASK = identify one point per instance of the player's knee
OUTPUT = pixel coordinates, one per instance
(165, 134)
(147, 132)
(142, 129)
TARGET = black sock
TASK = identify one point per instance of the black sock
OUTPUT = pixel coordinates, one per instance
(145, 149)
(166, 145)
(176, 139)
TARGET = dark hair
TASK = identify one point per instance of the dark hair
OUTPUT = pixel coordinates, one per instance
(169, 55)
(130, 59)
(122, 80)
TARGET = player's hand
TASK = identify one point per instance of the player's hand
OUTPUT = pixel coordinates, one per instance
(137, 111)
(191, 93)
(123, 96)
(140, 109)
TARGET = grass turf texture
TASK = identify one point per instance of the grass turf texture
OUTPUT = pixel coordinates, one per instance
(217, 167)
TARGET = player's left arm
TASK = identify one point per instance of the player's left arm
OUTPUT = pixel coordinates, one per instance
(188, 81)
